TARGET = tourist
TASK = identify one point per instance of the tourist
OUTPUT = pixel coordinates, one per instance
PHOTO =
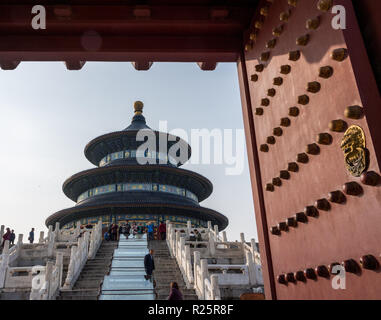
(127, 230)
(12, 238)
(162, 231)
(121, 230)
(197, 235)
(31, 236)
(134, 230)
(107, 236)
(149, 265)
(150, 231)
(6, 236)
(114, 232)
(175, 293)
(140, 231)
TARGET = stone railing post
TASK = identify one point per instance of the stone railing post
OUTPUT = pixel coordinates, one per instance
(19, 239)
(57, 231)
(51, 241)
(92, 243)
(59, 265)
(212, 246)
(189, 227)
(4, 263)
(196, 263)
(209, 225)
(177, 244)
(188, 270)
(224, 237)
(173, 242)
(2, 231)
(50, 231)
(216, 232)
(204, 275)
(182, 249)
(251, 268)
(242, 238)
(41, 239)
(19, 244)
(77, 230)
(216, 295)
(70, 270)
(253, 246)
(48, 277)
(169, 236)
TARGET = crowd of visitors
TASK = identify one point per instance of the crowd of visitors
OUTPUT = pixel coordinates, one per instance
(135, 230)
(11, 237)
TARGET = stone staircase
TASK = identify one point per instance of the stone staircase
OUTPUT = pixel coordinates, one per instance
(167, 271)
(90, 280)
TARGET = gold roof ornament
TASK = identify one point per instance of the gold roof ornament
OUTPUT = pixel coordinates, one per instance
(138, 107)
(355, 154)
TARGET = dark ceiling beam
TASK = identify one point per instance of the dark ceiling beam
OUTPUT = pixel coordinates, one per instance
(93, 47)
(122, 19)
(124, 11)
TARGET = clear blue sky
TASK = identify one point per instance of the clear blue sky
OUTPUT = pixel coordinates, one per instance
(48, 115)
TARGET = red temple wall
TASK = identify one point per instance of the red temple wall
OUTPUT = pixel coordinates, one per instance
(347, 231)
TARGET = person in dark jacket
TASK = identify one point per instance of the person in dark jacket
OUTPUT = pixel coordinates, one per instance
(149, 265)
(121, 230)
(127, 230)
(12, 238)
(175, 293)
(31, 236)
(114, 232)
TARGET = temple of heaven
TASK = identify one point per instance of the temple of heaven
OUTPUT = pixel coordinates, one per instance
(121, 188)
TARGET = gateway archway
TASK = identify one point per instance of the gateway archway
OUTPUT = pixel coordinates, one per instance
(301, 89)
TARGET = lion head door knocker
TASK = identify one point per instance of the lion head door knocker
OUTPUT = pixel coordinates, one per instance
(355, 153)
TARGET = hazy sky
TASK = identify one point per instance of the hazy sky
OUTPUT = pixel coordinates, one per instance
(48, 115)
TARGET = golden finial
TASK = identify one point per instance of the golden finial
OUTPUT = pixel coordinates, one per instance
(138, 107)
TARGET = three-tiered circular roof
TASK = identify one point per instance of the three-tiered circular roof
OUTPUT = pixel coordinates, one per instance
(111, 186)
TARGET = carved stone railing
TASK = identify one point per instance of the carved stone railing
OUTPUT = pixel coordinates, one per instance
(4, 263)
(78, 258)
(47, 280)
(96, 240)
(8, 257)
(57, 244)
(86, 248)
(205, 285)
(18, 277)
(214, 246)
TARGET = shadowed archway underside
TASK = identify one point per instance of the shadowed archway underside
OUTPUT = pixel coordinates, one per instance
(143, 32)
